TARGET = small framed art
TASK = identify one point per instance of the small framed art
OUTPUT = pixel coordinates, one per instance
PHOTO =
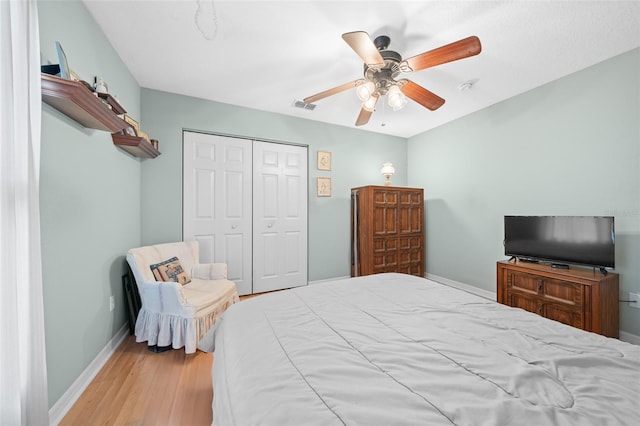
(324, 160)
(324, 187)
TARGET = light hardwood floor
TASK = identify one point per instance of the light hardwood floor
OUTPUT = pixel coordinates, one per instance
(139, 387)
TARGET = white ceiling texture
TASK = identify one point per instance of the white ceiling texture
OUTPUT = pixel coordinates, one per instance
(268, 54)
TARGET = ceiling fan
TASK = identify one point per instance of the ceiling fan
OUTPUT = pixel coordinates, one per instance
(382, 67)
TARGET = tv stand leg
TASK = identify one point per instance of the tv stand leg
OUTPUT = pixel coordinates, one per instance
(603, 271)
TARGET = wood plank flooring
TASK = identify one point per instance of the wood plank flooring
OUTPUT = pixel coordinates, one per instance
(139, 387)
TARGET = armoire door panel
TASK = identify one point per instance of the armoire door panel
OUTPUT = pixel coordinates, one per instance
(391, 221)
(379, 220)
(404, 243)
(416, 218)
(391, 198)
(379, 245)
(404, 222)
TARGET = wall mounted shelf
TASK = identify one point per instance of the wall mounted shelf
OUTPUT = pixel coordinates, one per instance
(73, 99)
(136, 146)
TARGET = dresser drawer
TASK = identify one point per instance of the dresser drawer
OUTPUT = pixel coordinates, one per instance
(562, 312)
(557, 290)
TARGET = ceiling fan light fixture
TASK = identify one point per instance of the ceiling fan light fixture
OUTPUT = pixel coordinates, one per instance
(370, 104)
(395, 98)
(365, 90)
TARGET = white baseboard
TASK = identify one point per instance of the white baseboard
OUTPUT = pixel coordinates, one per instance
(66, 401)
(491, 295)
(624, 336)
(629, 338)
(327, 280)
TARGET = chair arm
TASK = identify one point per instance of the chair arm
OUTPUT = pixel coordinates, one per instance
(209, 271)
(165, 297)
(173, 301)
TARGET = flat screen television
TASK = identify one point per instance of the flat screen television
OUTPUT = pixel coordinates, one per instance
(561, 240)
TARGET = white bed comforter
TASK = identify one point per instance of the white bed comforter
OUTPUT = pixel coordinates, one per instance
(393, 349)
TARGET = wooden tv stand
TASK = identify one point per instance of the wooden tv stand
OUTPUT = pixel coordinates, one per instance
(580, 297)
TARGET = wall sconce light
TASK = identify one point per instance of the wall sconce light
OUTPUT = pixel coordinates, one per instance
(387, 171)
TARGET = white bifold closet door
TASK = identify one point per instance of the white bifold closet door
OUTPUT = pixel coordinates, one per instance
(246, 203)
(279, 216)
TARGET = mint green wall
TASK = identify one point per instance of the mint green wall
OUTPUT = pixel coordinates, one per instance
(357, 158)
(571, 147)
(89, 198)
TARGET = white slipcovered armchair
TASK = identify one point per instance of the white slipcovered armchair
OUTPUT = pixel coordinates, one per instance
(179, 314)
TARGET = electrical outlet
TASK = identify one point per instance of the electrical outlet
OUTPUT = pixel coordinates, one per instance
(634, 300)
(112, 303)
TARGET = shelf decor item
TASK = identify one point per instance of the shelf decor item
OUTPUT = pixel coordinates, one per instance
(65, 72)
(134, 125)
(324, 160)
(112, 102)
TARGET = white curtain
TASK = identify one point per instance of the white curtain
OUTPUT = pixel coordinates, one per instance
(23, 373)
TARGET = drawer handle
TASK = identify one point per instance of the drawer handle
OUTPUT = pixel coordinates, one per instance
(540, 309)
(539, 286)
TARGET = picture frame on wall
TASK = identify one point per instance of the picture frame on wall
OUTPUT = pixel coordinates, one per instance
(324, 187)
(324, 160)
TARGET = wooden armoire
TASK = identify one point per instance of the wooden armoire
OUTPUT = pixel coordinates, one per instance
(387, 230)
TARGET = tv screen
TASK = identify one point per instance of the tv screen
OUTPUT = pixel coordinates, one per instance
(583, 240)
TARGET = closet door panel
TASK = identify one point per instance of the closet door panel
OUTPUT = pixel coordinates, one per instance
(217, 202)
(280, 216)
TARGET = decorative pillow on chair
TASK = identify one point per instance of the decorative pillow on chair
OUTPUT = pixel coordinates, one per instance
(170, 270)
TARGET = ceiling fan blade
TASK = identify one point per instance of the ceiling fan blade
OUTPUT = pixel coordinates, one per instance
(365, 114)
(361, 43)
(333, 91)
(363, 117)
(460, 49)
(421, 95)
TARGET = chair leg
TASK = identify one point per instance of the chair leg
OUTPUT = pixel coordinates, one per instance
(158, 349)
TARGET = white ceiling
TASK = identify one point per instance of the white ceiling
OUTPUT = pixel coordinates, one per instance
(267, 54)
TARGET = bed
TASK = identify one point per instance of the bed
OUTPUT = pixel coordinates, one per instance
(394, 349)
